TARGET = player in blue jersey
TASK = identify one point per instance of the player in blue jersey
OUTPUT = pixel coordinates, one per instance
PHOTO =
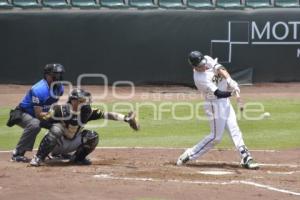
(34, 106)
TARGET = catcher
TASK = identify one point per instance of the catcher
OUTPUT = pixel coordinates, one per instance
(66, 129)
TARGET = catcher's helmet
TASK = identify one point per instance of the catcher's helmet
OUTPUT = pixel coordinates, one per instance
(80, 95)
(55, 70)
(195, 58)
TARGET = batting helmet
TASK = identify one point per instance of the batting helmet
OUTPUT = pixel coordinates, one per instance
(80, 95)
(195, 58)
(55, 70)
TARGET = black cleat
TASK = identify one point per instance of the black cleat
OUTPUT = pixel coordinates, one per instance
(19, 157)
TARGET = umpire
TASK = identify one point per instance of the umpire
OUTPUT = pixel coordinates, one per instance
(33, 107)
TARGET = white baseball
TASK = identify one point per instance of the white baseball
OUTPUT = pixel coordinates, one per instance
(266, 115)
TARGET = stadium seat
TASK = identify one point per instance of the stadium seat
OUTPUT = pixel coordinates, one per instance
(113, 3)
(26, 3)
(200, 4)
(56, 3)
(142, 4)
(229, 4)
(5, 5)
(286, 3)
(171, 4)
(258, 3)
(85, 4)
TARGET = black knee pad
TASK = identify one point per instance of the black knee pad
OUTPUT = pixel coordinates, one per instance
(47, 145)
(90, 139)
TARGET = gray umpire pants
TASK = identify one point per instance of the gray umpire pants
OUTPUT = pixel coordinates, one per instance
(31, 128)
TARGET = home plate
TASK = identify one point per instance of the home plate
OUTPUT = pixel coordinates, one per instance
(217, 172)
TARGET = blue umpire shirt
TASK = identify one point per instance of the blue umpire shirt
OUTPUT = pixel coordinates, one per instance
(40, 95)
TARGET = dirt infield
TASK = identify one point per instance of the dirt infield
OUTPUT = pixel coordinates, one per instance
(151, 174)
(133, 173)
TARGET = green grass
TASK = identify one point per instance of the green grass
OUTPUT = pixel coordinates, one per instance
(280, 131)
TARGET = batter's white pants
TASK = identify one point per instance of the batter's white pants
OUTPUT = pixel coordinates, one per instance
(221, 115)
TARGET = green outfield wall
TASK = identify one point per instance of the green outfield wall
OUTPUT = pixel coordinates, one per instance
(148, 46)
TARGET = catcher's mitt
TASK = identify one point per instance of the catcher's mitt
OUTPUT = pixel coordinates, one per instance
(131, 119)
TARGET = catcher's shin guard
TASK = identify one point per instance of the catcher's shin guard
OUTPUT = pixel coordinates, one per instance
(49, 141)
(46, 146)
(90, 140)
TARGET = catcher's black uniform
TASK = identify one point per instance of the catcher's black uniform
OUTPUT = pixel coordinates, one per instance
(67, 127)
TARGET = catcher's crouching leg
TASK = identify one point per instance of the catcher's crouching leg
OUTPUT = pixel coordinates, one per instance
(90, 140)
(47, 144)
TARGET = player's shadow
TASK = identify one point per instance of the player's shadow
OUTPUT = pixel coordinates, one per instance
(67, 163)
(59, 163)
(106, 162)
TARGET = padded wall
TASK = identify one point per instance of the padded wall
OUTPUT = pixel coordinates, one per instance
(149, 46)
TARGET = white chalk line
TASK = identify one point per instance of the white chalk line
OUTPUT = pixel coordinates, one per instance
(234, 182)
(6, 151)
(237, 163)
(283, 173)
(199, 182)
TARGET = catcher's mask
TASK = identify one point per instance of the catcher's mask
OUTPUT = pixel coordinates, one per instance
(81, 95)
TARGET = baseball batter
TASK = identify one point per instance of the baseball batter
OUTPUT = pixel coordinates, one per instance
(212, 79)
